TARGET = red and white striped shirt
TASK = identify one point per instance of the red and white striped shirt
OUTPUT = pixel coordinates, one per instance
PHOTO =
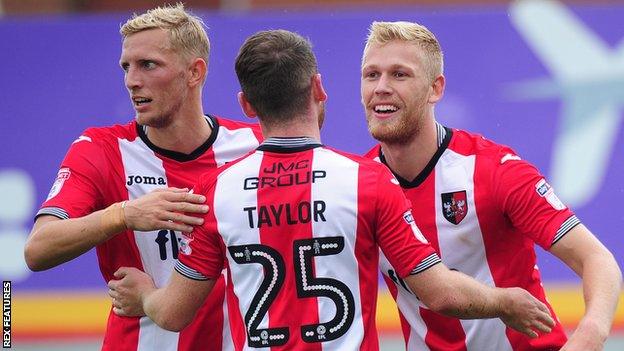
(299, 227)
(112, 164)
(483, 209)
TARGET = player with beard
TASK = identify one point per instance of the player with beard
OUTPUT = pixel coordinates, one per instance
(299, 226)
(124, 189)
(477, 202)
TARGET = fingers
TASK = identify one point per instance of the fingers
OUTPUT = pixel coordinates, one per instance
(188, 207)
(529, 332)
(171, 189)
(178, 227)
(120, 273)
(184, 197)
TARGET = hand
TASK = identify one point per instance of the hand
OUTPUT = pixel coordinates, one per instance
(127, 293)
(524, 313)
(586, 337)
(165, 209)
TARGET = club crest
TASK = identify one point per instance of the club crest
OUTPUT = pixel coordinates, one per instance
(454, 206)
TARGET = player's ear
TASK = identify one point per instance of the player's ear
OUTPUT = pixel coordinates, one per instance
(198, 70)
(437, 89)
(317, 88)
(248, 110)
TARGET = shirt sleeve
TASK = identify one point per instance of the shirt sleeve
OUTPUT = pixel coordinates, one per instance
(76, 192)
(397, 234)
(202, 252)
(529, 202)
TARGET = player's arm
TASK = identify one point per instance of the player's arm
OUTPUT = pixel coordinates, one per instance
(602, 283)
(172, 307)
(53, 241)
(455, 294)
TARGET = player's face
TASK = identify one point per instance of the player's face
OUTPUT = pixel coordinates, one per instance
(395, 91)
(155, 76)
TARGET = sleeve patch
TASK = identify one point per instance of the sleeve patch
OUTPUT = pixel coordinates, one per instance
(544, 190)
(61, 177)
(409, 219)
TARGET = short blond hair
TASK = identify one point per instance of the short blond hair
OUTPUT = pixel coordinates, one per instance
(187, 32)
(384, 32)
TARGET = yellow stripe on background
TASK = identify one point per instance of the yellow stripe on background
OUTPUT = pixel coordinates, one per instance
(76, 313)
(59, 313)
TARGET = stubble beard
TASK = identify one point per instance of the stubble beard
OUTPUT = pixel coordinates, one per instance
(400, 131)
(162, 119)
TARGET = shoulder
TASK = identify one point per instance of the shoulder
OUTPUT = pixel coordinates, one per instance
(364, 162)
(374, 152)
(487, 151)
(211, 176)
(234, 125)
(108, 134)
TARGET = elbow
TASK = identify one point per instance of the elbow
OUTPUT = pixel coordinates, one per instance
(171, 323)
(441, 303)
(32, 258)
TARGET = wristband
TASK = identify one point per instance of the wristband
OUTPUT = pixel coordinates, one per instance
(113, 219)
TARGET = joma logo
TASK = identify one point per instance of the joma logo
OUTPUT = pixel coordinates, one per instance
(137, 179)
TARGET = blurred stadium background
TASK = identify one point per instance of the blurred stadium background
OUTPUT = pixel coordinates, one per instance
(545, 77)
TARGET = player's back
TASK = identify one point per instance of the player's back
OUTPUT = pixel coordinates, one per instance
(299, 225)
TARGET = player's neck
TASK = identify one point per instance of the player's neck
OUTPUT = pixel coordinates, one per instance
(185, 134)
(293, 129)
(409, 159)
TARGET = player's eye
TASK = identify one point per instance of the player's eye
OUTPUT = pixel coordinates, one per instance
(400, 74)
(371, 75)
(148, 64)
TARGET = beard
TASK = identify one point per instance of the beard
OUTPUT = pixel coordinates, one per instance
(161, 119)
(400, 130)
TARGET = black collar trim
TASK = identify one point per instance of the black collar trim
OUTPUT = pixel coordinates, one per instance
(179, 156)
(428, 168)
(289, 145)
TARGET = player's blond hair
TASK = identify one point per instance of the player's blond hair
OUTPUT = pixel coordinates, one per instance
(384, 32)
(187, 32)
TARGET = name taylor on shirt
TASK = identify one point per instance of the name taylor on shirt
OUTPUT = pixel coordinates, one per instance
(285, 174)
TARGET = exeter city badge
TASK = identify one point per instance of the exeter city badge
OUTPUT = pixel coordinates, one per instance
(454, 206)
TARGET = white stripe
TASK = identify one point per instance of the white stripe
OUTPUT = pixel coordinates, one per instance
(340, 194)
(565, 227)
(462, 247)
(231, 144)
(189, 272)
(229, 202)
(429, 261)
(54, 211)
(136, 162)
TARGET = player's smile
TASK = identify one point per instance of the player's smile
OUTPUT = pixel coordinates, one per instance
(385, 111)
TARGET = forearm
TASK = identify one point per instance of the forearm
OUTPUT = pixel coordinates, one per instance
(602, 281)
(54, 241)
(157, 307)
(174, 306)
(470, 299)
(455, 294)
